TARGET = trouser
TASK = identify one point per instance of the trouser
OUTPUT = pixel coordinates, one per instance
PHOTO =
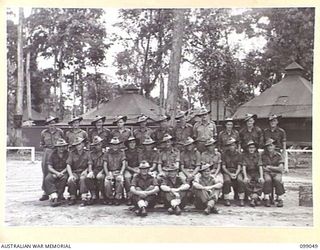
(44, 166)
(78, 184)
(204, 198)
(170, 199)
(53, 184)
(128, 175)
(96, 185)
(150, 201)
(253, 186)
(115, 182)
(237, 184)
(201, 146)
(271, 180)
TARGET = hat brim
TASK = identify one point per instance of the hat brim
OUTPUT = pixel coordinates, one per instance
(210, 144)
(187, 144)
(277, 117)
(124, 118)
(268, 144)
(169, 139)
(204, 113)
(96, 143)
(95, 121)
(75, 144)
(144, 167)
(143, 120)
(126, 143)
(170, 169)
(164, 119)
(205, 168)
(253, 116)
(112, 143)
(55, 120)
(228, 144)
(150, 143)
(78, 119)
(61, 145)
(253, 143)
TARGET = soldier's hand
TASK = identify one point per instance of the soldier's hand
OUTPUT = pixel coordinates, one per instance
(286, 170)
(246, 180)
(54, 176)
(90, 175)
(60, 175)
(119, 177)
(233, 176)
(72, 178)
(142, 194)
(261, 180)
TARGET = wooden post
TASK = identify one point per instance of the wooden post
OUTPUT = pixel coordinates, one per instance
(28, 82)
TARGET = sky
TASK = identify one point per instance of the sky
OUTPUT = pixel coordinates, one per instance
(186, 70)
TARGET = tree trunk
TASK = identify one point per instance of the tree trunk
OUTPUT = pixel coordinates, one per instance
(20, 85)
(161, 92)
(61, 103)
(28, 83)
(174, 65)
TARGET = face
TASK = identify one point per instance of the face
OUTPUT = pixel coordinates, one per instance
(80, 146)
(120, 123)
(182, 120)
(252, 149)
(168, 143)
(99, 124)
(76, 124)
(132, 144)
(143, 124)
(232, 147)
(211, 148)
(148, 147)
(271, 148)
(52, 124)
(98, 147)
(144, 171)
(189, 147)
(163, 123)
(250, 122)
(274, 123)
(206, 173)
(229, 125)
(61, 149)
(205, 117)
(115, 146)
(172, 174)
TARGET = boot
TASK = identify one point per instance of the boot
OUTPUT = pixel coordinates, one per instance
(143, 212)
(44, 197)
(177, 210)
(280, 203)
(207, 210)
(252, 203)
(267, 203)
(227, 203)
(170, 210)
(214, 210)
(241, 203)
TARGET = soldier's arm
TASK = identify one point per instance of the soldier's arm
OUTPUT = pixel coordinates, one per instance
(183, 187)
(218, 169)
(152, 190)
(224, 168)
(215, 186)
(52, 170)
(197, 185)
(238, 170)
(261, 172)
(244, 171)
(105, 167)
(165, 188)
(278, 168)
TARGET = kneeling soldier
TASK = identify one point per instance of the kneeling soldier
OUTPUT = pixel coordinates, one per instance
(96, 175)
(56, 180)
(114, 166)
(273, 166)
(206, 190)
(144, 189)
(77, 167)
(252, 173)
(174, 189)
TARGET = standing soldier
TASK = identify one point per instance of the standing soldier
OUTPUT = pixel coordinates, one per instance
(143, 131)
(96, 175)
(163, 129)
(174, 190)
(149, 154)
(189, 160)
(144, 189)
(183, 130)
(231, 167)
(226, 134)
(114, 166)
(272, 162)
(206, 190)
(49, 138)
(212, 157)
(57, 177)
(252, 173)
(75, 132)
(277, 134)
(204, 130)
(121, 132)
(168, 154)
(99, 130)
(250, 132)
(77, 167)
(132, 164)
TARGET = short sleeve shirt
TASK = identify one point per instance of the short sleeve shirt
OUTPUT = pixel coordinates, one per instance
(122, 135)
(114, 159)
(224, 136)
(48, 139)
(190, 159)
(205, 181)
(105, 134)
(182, 133)
(211, 158)
(57, 162)
(173, 183)
(204, 132)
(142, 133)
(278, 135)
(256, 134)
(132, 157)
(160, 132)
(167, 157)
(79, 162)
(231, 160)
(151, 156)
(71, 135)
(271, 160)
(139, 181)
(251, 162)
(97, 160)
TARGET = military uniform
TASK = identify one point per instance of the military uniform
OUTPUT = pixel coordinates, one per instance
(105, 134)
(47, 142)
(252, 162)
(213, 159)
(224, 136)
(169, 156)
(256, 135)
(114, 160)
(79, 166)
(159, 133)
(72, 134)
(181, 133)
(96, 183)
(272, 178)
(278, 135)
(132, 158)
(232, 160)
(204, 132)
(54, 184)
(151, 156)
(190, 160)
(142, 133)
(122, 135)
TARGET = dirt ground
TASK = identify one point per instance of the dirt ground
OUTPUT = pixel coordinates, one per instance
(22, 208)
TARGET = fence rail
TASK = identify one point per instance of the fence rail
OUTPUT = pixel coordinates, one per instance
(23, 148)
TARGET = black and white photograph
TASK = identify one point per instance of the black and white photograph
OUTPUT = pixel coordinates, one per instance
(159, 117)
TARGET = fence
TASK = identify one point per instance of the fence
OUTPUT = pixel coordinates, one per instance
(25, 148)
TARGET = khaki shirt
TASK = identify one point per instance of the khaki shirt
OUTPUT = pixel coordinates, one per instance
(231, 160)
(122, 135)
(132, 157)
(190, 159)
(167, 157)
(79, 162)
(142, 134)
(213, 159)
(143, 183)
(205, 181)
(71, 135)
(48, 139)
(204, 132)
(278, 135)
(97, 160)
(182, 133)
(56, 161)
(271, 160)
(105, 134)
(251, 162)
(255, 134)
(114, 159)
(151, 156)
(224, 136)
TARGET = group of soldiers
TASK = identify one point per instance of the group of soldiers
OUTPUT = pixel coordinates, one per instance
(172, 165)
